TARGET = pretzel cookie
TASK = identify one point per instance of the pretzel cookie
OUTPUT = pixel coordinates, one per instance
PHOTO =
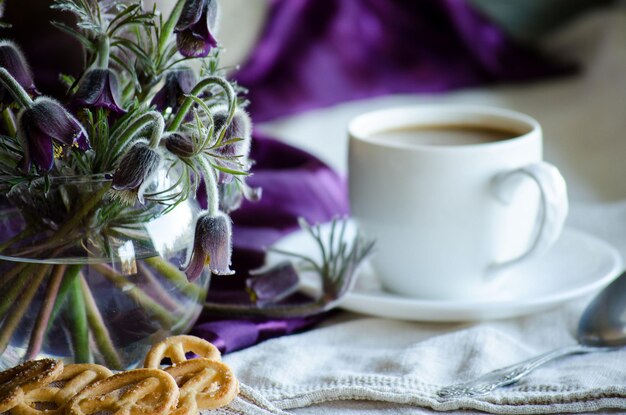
(29, 375)
(204, 384)
(125, 394)
(175, 348)
(51, 399)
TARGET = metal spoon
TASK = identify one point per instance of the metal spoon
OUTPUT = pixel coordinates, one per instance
(602, 328)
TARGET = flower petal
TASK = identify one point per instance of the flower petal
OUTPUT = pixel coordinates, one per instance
(191, 13)
(136, 169)
(216, 239)
(197, 261)
(239, 128)
(178, 83)
(51, 117)
(39, 149)
(195, 27)
(12, 59)
(41, 124)
(99, 88)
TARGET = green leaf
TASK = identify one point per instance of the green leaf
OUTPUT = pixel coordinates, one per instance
(229, 171)
(133, 48)
(76, 34)
(67, 80)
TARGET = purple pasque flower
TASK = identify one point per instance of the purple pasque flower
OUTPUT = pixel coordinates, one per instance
(195, 28)
(99, 88)
(240, 129)
(12, 59)
(211, 246)
(269, 286)
(178, 83)
(135, 172)
(43, 125)
(235, 146)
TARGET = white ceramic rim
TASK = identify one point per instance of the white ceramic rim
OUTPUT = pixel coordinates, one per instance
(364, 126)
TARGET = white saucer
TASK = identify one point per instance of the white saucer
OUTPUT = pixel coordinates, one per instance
(577, 265)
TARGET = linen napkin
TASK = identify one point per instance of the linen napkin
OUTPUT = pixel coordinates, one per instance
(338, 362)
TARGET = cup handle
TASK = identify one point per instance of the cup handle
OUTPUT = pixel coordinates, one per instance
(553, 210)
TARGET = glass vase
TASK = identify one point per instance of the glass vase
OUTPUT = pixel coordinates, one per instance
(86, 278)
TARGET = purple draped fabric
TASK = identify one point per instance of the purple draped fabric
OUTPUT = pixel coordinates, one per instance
(315, 53)
(231, 335)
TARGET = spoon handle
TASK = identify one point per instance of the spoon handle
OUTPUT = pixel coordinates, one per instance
(508, 375)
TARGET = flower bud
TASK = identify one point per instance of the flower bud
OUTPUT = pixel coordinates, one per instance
(211, 246)
(180, 145)
(135, 172)
(195, 28)
(12, 59)
(239, 128)
(98, 88)
(178, 83)
(44, 123)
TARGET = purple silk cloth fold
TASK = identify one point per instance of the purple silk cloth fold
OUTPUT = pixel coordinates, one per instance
(232, 335)
(315, 53)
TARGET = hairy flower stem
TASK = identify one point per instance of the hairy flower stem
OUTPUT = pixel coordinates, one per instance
(103, 52)
(78, 320)
(198, 89)
(210, 182)
(153, 118)
(98, 328)
(176, 277)
(168, 28)
(140, 297)
(9, 122)
(14, 318)
(19, 93)
(39, 330)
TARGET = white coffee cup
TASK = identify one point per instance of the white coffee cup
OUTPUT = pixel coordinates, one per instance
(451, 219)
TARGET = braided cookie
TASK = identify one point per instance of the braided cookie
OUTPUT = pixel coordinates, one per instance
(125, 394)
(29, 375)
(175, 348)
(51, 399)
(204, 384)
